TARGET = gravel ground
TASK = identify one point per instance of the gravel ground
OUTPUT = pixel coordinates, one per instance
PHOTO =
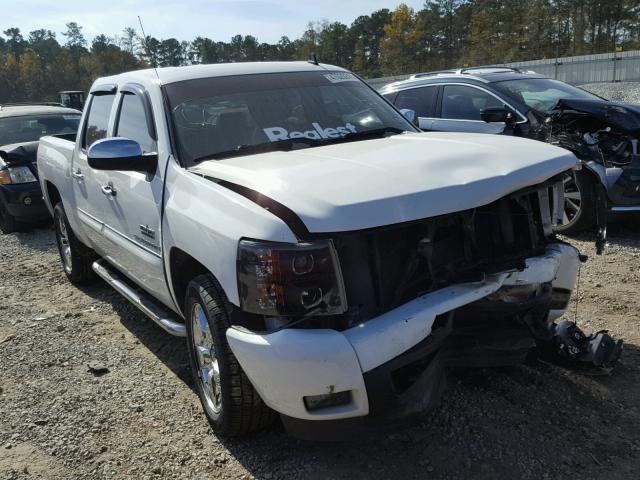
(619, 92)
(141, 419)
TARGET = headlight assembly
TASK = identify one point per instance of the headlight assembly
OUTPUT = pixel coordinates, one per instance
(14, 175)
(277, 279)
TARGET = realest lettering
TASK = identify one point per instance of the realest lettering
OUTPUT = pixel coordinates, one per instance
(278, 133)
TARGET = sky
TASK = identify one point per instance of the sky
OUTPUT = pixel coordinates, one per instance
(268, 20)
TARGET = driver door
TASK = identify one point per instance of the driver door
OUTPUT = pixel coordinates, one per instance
(460, 109)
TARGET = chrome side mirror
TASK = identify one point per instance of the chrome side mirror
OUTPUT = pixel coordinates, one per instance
(410, 115)
(119, 153)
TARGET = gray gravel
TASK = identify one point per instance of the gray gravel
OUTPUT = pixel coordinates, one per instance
(619, 92)
(91, 389)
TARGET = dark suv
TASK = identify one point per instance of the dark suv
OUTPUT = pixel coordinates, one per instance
(21, 127)
(501, 100)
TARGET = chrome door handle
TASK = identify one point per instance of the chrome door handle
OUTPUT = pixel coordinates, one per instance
(77, 174)
(108, 189)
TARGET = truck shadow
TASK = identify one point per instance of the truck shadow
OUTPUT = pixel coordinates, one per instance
(622, 230)
(512, 422)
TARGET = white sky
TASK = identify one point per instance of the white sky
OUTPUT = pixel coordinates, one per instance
(268, 20)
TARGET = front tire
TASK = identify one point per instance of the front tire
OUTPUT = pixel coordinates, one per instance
(579, 203)
(231, 404)
(76, 257)
(8, 223)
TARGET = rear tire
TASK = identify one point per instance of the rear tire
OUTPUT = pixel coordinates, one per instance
(76, 257)
(231, 404)
(580, 204)
(8, 223)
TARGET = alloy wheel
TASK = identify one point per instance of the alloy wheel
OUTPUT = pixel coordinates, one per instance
(208, 368)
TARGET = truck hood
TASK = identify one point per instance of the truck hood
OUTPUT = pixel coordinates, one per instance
(365, 184)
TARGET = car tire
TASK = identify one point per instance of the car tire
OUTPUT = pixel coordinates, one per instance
(8, 223)
(580, 204)
(231, 404)
(76, 257)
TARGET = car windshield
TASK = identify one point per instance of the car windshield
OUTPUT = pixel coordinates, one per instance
(29, 128)
(223, 117)
(541, 94)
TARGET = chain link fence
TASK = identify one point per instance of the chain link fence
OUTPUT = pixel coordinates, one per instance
(578, 70)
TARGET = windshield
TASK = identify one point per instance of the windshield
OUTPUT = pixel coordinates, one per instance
(541, 94)
(29, 128)
(223, 117)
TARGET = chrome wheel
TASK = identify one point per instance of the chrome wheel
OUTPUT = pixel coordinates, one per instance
(64, 244)
(572, 199)
(208, 368)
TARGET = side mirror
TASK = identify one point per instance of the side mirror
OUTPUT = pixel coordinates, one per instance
(498, 115)
(411, 115)
(119, 153)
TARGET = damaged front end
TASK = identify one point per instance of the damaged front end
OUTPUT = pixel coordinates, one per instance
(476, 288)
(605, 136)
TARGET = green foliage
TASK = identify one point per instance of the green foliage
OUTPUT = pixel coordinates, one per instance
(443, 34)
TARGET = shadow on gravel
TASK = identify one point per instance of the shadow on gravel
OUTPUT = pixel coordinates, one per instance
(533, 421)
(39, 237)
(622, 230)
(170, 350)
(515, 422)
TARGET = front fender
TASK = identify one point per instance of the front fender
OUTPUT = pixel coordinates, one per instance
(207, 221)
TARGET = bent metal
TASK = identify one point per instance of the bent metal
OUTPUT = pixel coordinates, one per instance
(278, 133)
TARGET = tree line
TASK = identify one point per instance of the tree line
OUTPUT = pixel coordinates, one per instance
(443, 34)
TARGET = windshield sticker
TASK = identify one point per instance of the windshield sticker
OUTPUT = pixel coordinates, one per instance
(278, 133)
(71, 117)
(339, 77)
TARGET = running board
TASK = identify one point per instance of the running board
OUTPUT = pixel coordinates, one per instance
(141, 300)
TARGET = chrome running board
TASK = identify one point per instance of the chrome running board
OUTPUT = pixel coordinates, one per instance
(141, 300)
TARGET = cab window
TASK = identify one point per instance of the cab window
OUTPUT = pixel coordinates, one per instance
(422, 100)
(132, 122)
(98, 119)
(460, 102)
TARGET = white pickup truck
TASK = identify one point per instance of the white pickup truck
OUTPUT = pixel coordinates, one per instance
(325, 259)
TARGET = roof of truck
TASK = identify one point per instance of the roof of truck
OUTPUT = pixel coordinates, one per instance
(176, 74)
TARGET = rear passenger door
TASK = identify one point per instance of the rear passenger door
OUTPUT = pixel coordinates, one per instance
(460, 108)
(420, 99)
(90, 201)
(135, 205)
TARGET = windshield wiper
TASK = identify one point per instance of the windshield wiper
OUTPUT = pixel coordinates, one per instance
(373, 133)
(279, 145)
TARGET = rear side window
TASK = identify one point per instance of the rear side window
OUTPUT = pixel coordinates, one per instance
(422, 100)
(465, 103)
(132, 122)
(98, 119)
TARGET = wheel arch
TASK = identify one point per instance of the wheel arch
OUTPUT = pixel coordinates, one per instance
(182, 269)
(52, 195)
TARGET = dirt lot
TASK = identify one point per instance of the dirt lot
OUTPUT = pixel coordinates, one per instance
(142, 419)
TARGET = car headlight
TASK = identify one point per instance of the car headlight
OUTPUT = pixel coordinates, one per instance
(278, 279)
(16, 175)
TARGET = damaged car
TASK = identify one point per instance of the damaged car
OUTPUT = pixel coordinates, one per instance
(327, 262)
(21, 126)
(503, 100)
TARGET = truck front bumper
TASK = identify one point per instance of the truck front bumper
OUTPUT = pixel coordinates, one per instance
(24, 201)
(373, 361)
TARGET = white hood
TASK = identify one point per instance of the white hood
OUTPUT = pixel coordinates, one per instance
(365, 184)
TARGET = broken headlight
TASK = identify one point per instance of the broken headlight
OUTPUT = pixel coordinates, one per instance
(279, 279)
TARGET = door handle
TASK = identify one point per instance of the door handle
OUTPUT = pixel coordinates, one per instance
(108, 190)
(77, 174)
